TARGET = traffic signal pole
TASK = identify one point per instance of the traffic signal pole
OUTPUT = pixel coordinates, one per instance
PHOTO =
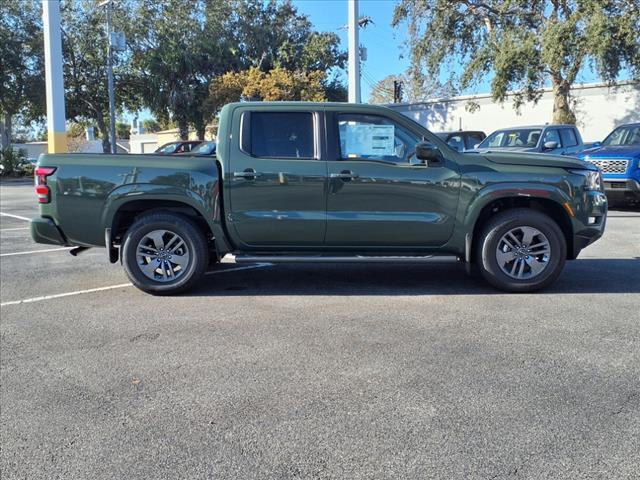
(56, 128)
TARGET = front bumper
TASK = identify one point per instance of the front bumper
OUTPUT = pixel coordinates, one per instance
(623, 188)
(589, 222)
(44, 230)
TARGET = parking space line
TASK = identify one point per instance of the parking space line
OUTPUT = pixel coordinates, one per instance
(12, 229)
(112, 287)
(14, 216)
(35, 251)
(61, 295)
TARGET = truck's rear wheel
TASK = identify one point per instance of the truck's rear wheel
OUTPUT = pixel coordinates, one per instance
(164, 253)
(521, 250)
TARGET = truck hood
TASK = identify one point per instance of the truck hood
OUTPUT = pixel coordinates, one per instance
(536, 160)
(617, 151)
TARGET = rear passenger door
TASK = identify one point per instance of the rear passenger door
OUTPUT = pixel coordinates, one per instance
(276, 179)
(570, 144)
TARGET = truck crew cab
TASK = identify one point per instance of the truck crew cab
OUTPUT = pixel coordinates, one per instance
(322, 182)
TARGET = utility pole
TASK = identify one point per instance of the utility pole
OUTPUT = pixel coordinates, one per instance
(354, 53)
(56, 128)
(112, 101)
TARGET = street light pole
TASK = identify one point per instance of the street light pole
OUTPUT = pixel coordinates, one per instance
(354, 53)
(54, 80)
(112, 100)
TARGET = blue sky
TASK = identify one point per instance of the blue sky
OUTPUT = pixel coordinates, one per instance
(385, 44)
(387, 52)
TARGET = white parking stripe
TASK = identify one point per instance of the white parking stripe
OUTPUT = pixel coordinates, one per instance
(60, 295)
(15, 216)
(111, 287)
(35, 251)
(12, 229)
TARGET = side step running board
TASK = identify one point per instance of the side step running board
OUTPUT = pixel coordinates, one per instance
(229, 258)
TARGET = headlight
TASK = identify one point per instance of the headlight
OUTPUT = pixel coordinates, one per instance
(593, 179)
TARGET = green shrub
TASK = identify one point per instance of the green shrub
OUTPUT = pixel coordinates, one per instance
(13, 163)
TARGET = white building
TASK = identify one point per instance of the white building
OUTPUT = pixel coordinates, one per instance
(598, 110)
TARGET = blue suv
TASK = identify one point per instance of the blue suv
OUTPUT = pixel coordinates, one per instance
(618, 157)
(550, 139)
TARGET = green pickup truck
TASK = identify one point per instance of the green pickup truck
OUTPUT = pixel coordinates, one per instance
(322, 182)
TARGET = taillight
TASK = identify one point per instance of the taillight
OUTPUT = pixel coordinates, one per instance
(40, 175)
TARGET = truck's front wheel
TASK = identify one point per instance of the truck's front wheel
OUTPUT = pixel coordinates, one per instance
(521, 250)
(164, 253)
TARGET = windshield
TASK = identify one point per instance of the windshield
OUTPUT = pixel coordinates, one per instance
(629, 135)
(522, 137)
(168, 148)
(205, 148)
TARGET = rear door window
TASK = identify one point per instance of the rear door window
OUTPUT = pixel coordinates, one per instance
(568, 137)
(282, 135)
(473, 139)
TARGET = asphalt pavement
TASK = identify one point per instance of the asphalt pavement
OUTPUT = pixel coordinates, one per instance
(316, 371)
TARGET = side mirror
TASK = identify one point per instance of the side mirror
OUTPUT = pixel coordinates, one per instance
(476, 146)
(597, 144)
(550, 145)
(429, 154)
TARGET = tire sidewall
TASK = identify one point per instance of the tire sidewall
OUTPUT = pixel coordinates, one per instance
(188, 232)
(490, 268)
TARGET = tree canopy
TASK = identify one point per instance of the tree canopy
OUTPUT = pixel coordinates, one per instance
(176, 49)
(21, 65)
(414, 89)
(526, 45)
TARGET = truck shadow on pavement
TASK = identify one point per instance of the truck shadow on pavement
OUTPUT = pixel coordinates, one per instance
(586, 276)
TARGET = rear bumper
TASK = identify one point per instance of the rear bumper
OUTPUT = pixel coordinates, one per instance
(44, 230)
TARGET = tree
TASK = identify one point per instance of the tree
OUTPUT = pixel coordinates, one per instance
(414, 89)
(150, 125)
(277, 56)
(178, 46)
(21, 65)
(525, 44)
(84, 46)
(123, 130)
(276, 85)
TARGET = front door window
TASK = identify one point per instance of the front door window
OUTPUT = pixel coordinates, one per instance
(373, 137)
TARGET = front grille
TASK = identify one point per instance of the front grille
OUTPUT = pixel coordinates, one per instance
(610, 166)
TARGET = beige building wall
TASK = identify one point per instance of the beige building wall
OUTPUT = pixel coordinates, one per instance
(598, 109)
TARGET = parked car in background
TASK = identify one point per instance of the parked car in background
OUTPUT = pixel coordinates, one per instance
(618, 157)
(172, 148)
(322, 182)
(549, 139)
(205, 149)
(463, 139)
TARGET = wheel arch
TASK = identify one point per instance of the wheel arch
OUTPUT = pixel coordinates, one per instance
(124, 206)
(546, 205)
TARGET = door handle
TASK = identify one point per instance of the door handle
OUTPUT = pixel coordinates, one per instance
(248, 173)
(345, 175)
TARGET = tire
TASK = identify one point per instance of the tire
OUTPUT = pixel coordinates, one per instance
(178, 267)
(517, 268)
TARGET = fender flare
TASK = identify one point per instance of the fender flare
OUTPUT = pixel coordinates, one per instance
(209, 209)
(485, 197)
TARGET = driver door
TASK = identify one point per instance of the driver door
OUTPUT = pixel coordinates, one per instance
(379, 194)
